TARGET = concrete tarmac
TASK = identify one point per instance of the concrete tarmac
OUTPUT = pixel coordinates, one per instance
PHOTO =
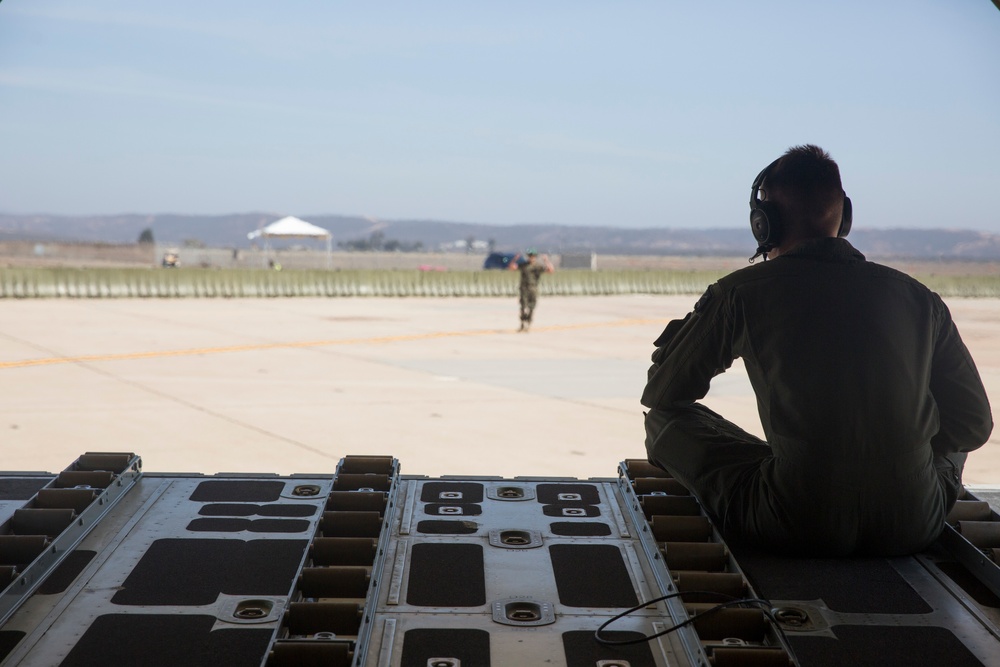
(446, 385)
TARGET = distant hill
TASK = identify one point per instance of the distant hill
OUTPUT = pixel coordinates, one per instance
(230, 231)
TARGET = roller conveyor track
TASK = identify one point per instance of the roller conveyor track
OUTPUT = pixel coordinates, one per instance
(972, 537)
(327, 620)
(702, 571)
(38, 537)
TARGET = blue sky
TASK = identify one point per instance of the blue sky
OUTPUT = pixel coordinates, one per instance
(630, 114)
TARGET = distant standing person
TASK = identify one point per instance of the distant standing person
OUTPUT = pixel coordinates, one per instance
(531, 272)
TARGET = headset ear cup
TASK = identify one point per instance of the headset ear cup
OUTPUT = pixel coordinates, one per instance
(846, 218)
(759, 226)
(764, 225)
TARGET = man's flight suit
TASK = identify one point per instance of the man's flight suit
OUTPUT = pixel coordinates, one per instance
(867, 396)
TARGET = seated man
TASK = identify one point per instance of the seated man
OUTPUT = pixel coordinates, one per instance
(867, 395)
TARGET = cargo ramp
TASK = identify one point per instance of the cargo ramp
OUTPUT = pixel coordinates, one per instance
(105, 564)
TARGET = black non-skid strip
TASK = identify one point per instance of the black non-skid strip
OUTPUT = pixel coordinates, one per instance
(251, 509)
(219, 525)
(8, 640)
(592, 575)
(849, 585)
(67, 572)
(166, 641)
(883, 646)
(237, 491)
(580, 529)
(446, 575)
(195, 571)
(470, 647)
(447, 527)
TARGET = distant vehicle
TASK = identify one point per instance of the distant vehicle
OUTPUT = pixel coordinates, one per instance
(500, 260)
(171, 260)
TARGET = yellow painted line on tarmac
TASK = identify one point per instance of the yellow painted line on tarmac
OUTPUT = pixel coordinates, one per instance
(637, 321)
(375, 340)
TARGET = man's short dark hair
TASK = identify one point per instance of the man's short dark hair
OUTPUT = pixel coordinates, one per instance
(808, 181)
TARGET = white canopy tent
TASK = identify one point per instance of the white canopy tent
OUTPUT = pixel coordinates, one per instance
(291, 227)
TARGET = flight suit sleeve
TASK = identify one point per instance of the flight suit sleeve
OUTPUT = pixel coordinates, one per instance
(689, 353)
(963, 406)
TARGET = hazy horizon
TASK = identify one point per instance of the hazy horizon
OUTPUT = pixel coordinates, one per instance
(742, 226)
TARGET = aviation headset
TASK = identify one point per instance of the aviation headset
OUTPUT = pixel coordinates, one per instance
(765, 224)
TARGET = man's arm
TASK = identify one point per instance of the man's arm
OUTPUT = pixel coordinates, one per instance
(548, 265)
(689, 353)
(963, 406)
(513, 266)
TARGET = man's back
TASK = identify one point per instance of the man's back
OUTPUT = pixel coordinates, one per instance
(531, 274)
(839, 351)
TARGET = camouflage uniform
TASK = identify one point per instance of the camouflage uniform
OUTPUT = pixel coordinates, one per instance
(530, 275)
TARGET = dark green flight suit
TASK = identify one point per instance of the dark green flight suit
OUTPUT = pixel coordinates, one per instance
(867, 395)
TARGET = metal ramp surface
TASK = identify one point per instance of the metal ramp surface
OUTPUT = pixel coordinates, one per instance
(366, 567)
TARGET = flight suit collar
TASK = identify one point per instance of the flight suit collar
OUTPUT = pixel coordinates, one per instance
(837, 249)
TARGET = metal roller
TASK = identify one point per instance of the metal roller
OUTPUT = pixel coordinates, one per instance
(21, 549)
(75, 499)
(970, 510)
(367, 464)
(642, 468)
(342, 581)
(729, 622)
(114, 462)
(368, 501)
(69, 479)
(310, 654)
(982, 534)
(354, 482)
(343, 551)
(681, 528)
(705, 556)
(750, 657)
(350, 524)
(308, 618)
(668, 485)
(691, 584)
(672, 505)
(50, 522)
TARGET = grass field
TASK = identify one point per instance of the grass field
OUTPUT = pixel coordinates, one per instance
(54, 282)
